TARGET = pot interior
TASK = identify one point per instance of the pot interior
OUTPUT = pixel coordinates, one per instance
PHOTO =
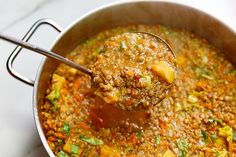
(121, 14)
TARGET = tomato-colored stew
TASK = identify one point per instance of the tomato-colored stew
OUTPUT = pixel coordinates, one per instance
(197, 118)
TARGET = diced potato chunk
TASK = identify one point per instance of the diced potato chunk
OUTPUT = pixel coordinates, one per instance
(164, 70)
(72, 71)
(67, 146)
(109, 96)
(169, 153)
(57, 84)
(107, 151)
(227, 131)
(58, 81)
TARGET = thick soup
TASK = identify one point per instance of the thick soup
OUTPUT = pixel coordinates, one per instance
(134, 70)
(197, 118)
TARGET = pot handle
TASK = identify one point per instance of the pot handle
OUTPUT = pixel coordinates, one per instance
(18, 49)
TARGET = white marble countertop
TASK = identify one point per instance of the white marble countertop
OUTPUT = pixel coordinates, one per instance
(18, 134)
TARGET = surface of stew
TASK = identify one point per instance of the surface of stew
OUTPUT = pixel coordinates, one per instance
(197, 118)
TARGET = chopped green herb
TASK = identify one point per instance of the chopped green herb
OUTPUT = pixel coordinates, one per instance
(204, 135)
(122, 45)
(208, 77)
(139, 134)
(215, 120)
(128, 148)
(66, 128)
(100, 50)
(59, 141)
(203, 72)
(90, 140)
(234, 136)
(232, 72)
(222, 153)
(74, 149)
(158, 139)
(146, 80)
(213, 137)
(62, 154)
(182, 145)
(53, 96)
(220, 81)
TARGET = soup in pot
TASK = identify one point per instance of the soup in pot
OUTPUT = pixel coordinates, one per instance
(197, 118)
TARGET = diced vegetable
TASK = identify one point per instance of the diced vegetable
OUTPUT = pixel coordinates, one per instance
(233, 72)
(192, 99)
(91, 140)
(71, 148)
(67, 146)
(139, 134)
(146, 81)
(234, 136)
(215, 120)
(227, 132)
(72, 71)
(112, 96)
(57, 83)
(219, 141)
(53, 96)
(74, 149)
(209, 77)
(164, 70)
(59, 141)
(178, 107)
(122, 46)
(169, 153)
(66, 128)
(204, 135)
(62, 154)
(222, 153)
(214, 137)
(203, 72)
(129, 148)
(107, 151)
(158, 139)
(182, 145)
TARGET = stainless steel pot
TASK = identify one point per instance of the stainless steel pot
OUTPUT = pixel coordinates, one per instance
(120, 14)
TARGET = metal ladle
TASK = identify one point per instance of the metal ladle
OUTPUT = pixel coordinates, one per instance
(133, 117)
(59, 57)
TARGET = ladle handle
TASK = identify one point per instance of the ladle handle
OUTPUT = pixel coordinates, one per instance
(44, 52)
